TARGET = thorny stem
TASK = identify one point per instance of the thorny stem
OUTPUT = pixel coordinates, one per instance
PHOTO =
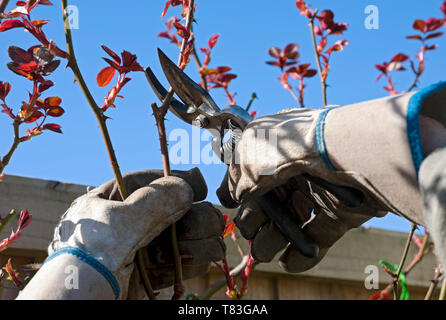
(4, 162)
(318, 61)
(102, 125)
(95, 108)
(159, 118)
(159, 114)
(403, 259)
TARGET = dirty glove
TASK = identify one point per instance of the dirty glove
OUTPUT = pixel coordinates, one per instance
(335, 168)
(198, 231)
(100, 234)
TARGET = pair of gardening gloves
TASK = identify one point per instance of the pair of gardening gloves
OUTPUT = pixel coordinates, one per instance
(334, 169)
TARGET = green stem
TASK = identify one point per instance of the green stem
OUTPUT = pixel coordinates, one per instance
(199, 65)
(318, 61)
(94, 107)
(4, 162)
(159, 114)
(103, 127)
(5, 221)
(253, 97)
(403, 259)
(443, 290)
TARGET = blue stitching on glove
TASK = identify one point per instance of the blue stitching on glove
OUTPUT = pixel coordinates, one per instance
(413, 121)
(85, 257)
(320, 140)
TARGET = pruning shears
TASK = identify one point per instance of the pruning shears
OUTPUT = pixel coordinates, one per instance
(198, 108)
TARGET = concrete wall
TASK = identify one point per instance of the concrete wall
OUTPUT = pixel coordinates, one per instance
(339, 276)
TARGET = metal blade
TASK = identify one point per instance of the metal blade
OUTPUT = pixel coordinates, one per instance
(181, 110)
(185, 88)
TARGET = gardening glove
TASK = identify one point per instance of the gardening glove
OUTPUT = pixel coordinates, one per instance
(199, 235)
(335, 168)
(111, 231)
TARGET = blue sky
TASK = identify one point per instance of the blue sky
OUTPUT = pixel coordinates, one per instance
(247, 29)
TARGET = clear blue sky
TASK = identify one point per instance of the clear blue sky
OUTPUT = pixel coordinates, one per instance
(247, 28)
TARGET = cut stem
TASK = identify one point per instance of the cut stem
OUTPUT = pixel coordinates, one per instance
(159, 114)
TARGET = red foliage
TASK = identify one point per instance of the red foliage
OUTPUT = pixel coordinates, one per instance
(289, 57)
(19, 17)
(207, 51)
(5, 87)
(174, 3)
(168, 34)
(285, 57)
(428, 30)
(221, 79)
(327, 24)
(396, 64)
(123, 65)
(381, 295)
(303, 8)
(24, 220)
(34, 64)
(13, 274)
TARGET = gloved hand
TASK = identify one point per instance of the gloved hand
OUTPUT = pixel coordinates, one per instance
(326, 202)
(112, 230)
